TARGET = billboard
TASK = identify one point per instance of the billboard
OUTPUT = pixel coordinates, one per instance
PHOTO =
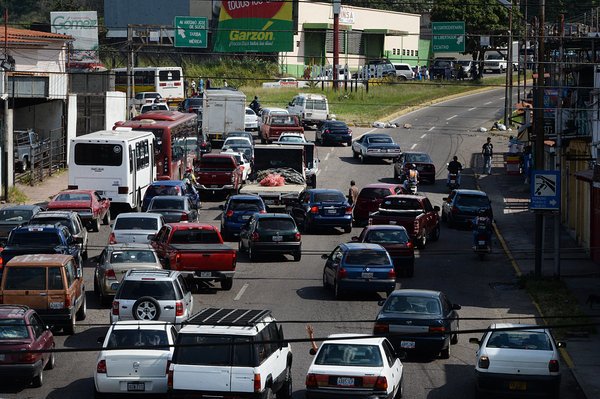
(83, 27)
(255, 26)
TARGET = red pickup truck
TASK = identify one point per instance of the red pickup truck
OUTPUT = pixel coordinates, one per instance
(218, 173)
(414, 212)
(276, 124)
(197, 250)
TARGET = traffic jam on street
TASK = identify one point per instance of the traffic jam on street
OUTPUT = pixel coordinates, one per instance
(299, 258)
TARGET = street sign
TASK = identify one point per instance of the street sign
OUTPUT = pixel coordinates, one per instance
(448, 37)
(545, 190)
(191, 32)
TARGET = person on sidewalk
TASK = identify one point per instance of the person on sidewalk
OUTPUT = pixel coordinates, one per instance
(352, 193)
(487, 150)
(454, 167)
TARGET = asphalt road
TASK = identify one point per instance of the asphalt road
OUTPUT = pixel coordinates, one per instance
(293, 290)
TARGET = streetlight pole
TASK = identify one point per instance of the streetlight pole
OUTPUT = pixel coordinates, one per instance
(336, 41)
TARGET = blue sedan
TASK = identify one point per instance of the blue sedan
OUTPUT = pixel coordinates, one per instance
(359, 267)
(323, 208)
(237, 211)
(170, 187)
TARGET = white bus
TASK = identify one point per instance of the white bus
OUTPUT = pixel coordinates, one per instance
(118, 163)
(168, 81)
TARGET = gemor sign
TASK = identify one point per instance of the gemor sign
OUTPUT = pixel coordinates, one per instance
(83, 27)
(255, 26)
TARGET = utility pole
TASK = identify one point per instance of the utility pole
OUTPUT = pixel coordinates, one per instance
(557, 147)
(130, 80)
(539, 133)
(509, 71)
(336, 41)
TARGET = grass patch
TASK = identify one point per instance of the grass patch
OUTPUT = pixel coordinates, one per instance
(555, 300)
(16, 196)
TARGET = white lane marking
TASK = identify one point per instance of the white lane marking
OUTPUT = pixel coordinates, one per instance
(412, 147)
(471, 109)
(241, 292)
(327, 156)
(452, 117)
(488, 103)
(431, 128)
(423, 135)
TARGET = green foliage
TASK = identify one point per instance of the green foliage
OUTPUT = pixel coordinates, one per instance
(16, 196)
(237, 72)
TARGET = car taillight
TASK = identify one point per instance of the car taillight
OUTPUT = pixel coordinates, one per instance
(392, 274)
(28, 357)
(257, 383)
(348, 210)
(255, 236)
(184, 216)
(72, 187)
(112, 239)
(262, 211)
(484, 362)
(326, 131)
(553, 366)
(123, 190)
(381, 384)
(110, 273)
(178, 308)
(297, 236)
(101, 367)
(409, 244)
(115, 308)
(437, 329)
(203, 145)
(314, 209)
(311, 381)
(381, 328)
(350, 131)
(229, 214)
(170, 368)
(342, 273)
(234, 259)
(177, 258)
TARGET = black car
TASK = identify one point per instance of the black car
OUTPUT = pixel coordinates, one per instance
(419, 321)
(192, 104)
(462, 206)
(333, 132)
(15, 216)
(174, 208)
(271, 233)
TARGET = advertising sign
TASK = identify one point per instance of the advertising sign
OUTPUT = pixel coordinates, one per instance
(83, 27)
(255, 26)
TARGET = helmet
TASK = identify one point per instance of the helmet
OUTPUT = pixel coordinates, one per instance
(413, 166)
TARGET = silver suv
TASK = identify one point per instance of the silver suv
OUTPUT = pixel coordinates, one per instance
(152, 295)
(69, 219)
(231, 352)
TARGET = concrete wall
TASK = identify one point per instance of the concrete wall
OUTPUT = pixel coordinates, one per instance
(43, 118)
(116, 108)
(48, 61)
(71, 120)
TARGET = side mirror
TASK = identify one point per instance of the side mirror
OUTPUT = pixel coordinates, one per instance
(114, 286)
(324, 256)
(456, 306)
(436, 208)
(474, 341)
(290, 103)
(354, 238)
(445, 199)
(381, 302)
(561, 344)
(312, 351)
(100, 340)
(221, 207)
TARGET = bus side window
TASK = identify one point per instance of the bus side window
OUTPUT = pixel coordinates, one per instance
(131, 155)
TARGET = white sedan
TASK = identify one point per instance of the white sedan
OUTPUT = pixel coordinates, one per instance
(139, 370)
(353, 366)
(291, 138)
(250, 119)
(517, 359)
(242, 160)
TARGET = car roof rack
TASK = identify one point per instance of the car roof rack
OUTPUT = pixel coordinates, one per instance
(228, 317)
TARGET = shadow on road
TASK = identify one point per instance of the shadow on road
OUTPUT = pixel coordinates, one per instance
(82, 388)
(319, 293)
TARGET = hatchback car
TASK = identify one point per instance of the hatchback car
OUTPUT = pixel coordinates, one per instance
(135, 227)
(238, 209)
(15, 216)
(333, 132)
(69, 219)
(250, 119)
(134, 358)
(359, 267)
(115, 261)
(152, 295)
(355, 366)
(421, 160)
(22, 329)
(419, 321)
(319, 207)
(369, 199)
(169, 187)
(517, 360)
(396, 241)
(271, 233)
(462, 206)
(174, 208)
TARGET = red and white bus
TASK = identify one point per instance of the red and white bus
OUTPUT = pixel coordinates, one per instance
(170, 128)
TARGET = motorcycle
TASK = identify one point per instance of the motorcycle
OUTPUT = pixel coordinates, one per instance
(410, 186)
(453, 181)
(483, 238)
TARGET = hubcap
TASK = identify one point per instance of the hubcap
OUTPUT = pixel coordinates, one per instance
(146, 311)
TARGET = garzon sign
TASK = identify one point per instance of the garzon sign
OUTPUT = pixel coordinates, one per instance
(448, 37)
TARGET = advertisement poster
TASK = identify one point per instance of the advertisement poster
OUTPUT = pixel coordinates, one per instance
(254, 26)
(83, 27)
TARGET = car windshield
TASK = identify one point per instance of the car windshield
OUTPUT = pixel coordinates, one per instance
(413, 304)
(73, 197)
(329, 197)
(495, 57)
(236, 142)
(367, 257)
(48, 220)
(138, 337)
(387, 236)
(14, 215)
(380, 140)
(418, 158)
(276, 224)
(195, 236)
(166, 203)
(34, 238)
(246, 205)
(159, 290)
(473, 201)
(25, 278)
(336, 125)
(250, 112)
(374, 193)
(132, 256)
(349, 355)
(11, 329)
(533, 340)
(136, 223)
(401, 204)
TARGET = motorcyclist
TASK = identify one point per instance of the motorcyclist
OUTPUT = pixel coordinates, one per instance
(482, 223)
(255, 105)
(454, 167)
(412, 176)
(189, 174)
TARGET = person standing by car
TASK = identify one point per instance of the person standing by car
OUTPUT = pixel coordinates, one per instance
(487, 150)
(454, 167)
(352, 193)
(255, 105)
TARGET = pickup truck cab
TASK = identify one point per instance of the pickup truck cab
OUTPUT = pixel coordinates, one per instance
(218, 173)
(196, 250)
(415, 213)
(277, 124)
(28, 148)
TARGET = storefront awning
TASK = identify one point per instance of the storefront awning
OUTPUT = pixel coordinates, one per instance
(323, 26)
(386, 32)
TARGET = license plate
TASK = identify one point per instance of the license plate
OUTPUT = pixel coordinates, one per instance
(214, 186)
(367, 275)
(277, 238)
(136, 386)
(246, 217)
(481, 242)
(517, 385)
(345, 381)
(331, 211)
(407, 344)
(205, 274)
(57, 305)
(269, 202)
(452, 181)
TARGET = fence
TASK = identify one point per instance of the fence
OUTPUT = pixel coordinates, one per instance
(46, 159)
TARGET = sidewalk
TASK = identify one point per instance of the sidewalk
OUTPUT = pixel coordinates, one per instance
(510, 200)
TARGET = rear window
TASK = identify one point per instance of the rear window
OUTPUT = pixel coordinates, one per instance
(283, 120)
(236, 142)
(532, 340)
(380, 140)
(212, 350)
(136, 223)
(62, 221)
(98, 154)
(25, 278)
(276, 224)
(246, 205)
(401, 204)
(34, 238)
(337, 125)
(13, 329)
(133, 338)
(196, 236)
(73, 197)
(413, 304)
(349, 355)
(473, 200)
(217, 163)
(367, 257)
(402, 68)
(153, 191)
(166, 203)
(387, 236)
(14, 215)
(374, 193)
(132, 256)
(160, 290)
(329, 197)
(418, 158)
(320, 105)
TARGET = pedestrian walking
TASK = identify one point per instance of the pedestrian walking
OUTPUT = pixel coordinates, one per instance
(352, 193)
(488, 151)
(224, 83)
(193, 84)
(200, 85)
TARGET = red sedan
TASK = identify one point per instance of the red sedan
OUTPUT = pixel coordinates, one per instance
(421, 160)
(89, 204)
(369, 199)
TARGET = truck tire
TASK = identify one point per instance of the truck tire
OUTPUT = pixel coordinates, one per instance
(354, 154)
(227, 284)
(69, 328)
(422, 242)
(435, 234)
(286, 390)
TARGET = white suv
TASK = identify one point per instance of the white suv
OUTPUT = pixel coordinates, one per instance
(152, 295)
(312, 109)
(231, 352)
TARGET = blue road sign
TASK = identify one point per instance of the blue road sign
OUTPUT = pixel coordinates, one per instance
(545, 190)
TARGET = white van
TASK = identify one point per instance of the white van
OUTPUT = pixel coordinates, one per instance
(312, 109)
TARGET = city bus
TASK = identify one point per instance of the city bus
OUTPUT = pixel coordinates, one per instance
(117, 163)
(170, 129)
(167, 81)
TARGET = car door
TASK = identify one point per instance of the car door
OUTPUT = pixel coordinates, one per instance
(42, 339)
(332, 264)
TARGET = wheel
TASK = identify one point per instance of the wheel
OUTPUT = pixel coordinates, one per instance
(51, 362)
(454, 339)
(105, 300)
(240, 246)
(422, 241)
(286, 390)
(400, 390)
(444, 217)
(251, 254)
(96, 225)
(445, 353)
(146, 308)
(268, 393)
(354, 154)
(336, 290)
(297, 256)
(410, 269)
(363, 159)
(325, 283)
(396, 177)
(227, 284)
(38, 380)
(435, 234)
(82, 311)
(318, 140)
(107, 218)
(402, 78)
(348, 229)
